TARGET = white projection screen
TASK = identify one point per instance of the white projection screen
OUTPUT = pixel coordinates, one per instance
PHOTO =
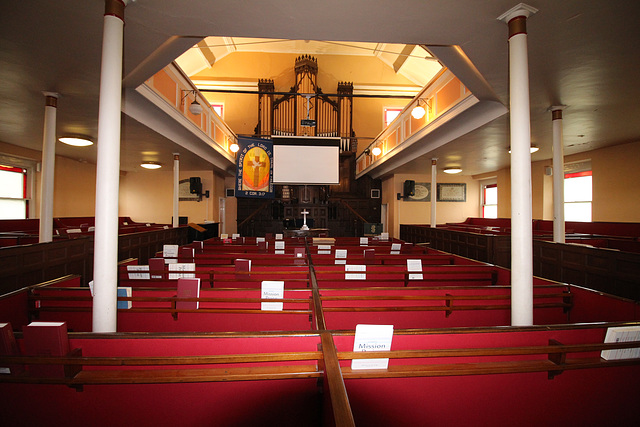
(306, 160)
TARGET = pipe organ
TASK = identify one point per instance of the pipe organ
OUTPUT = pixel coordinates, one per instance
(305, 110)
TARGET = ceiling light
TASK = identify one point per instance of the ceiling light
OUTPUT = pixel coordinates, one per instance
(151, 165)
(376, 151)
(234, 147)
(452, 170)
(532, 150)
(76, 141)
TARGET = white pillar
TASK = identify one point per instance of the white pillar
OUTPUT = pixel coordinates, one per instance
(434, 193)
(48, 167)
(521, 216)
(558, 175)
(105, 264)
(176, 189)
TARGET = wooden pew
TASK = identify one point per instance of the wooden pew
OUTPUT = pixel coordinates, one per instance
(155, 310)
(439, 307)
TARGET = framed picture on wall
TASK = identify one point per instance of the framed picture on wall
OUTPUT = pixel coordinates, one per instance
(422, 193)
(452, 192)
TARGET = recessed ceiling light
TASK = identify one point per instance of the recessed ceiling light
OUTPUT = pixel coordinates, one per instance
(151, 165)
(76, 141)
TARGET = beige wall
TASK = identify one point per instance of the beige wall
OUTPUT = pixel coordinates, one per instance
(405, 212)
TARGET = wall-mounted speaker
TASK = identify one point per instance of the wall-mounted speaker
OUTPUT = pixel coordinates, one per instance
(230, 192)
(195, 185)
(409, 188)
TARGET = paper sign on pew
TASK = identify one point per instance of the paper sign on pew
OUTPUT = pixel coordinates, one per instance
(324, 249)
(272, 289)
(622, 334)
(182, 266)
(384, 236)
(341, 256)
(415, 265)
(372, 338)
(170, 251)
(355, 276)
(364, 241)
(235, 236)
(278, 236)
(279, 247)
(138, 268)
(395, 248)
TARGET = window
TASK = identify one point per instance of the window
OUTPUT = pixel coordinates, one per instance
(577, 196)
(219, 109)
(13, 193)
(490, 201)
(390, 114)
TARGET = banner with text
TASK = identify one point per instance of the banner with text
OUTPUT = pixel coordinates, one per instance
(254, 176)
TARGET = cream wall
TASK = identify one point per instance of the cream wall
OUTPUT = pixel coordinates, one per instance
(405, 212)
(147, 196)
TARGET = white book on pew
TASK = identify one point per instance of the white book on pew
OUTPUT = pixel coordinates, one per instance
(170, 251)
(324, 249)
(622, 334)
(272, 289)
(182, 266)
(355, 276)
(415, 265)
(372, 338)
(395, 248)
(136, 272)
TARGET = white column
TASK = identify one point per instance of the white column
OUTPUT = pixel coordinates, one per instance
(48, 167)
(558, 175)
(434, 193)
(105, 264)
(176, 189)
(521, 216)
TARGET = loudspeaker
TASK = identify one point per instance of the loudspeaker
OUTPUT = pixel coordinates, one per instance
(230, 192)
(409, 188)
(195, 185)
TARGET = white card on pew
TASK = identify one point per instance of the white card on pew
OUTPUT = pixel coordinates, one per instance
(358, 276)
(341, 253)
(324, 249)
(341, 262)
(166, 227)
(235, 236)
(224, 236)
(372, 338)
(384, 236)
(170, 260)
(415, 265)
(138, 276)
(91, 287)
(396, 246)
(364, 241)
(279, 245)
(91, 229)
(259, 239)
(279, 252)
(170, 251)
(278, 236)
(272, 289)
(622, 334)
(182, 266)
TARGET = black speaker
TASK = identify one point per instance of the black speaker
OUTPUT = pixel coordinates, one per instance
(195, 185)
(409, 188)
